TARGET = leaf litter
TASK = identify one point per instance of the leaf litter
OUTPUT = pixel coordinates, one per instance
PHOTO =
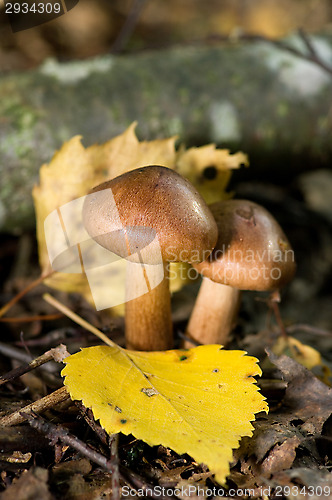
(291, 434)
(290, 447)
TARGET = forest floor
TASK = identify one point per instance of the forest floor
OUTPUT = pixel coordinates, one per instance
(290, 451)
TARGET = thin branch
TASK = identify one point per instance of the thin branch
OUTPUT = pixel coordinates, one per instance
(29, 319)
(305, 38)
(96, 428)
(58, 433)
(273, 303)
(146, 488)
(311, 55)
(77, 319)
(49, 401)
(129, 26)
(50, 338)
(14, 353)
(114, 443)
(313, 330)
(23, 292)
(57, 354)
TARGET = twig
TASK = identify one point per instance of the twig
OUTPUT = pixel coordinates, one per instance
(146, 489)
(57, 354)
(49, 401)
(308, 43)
(29, 319)
(58, 433)
(311, 55)
(23, 292)
(273, 302)
(128, 27)
(114, 443)
(77, 319)
(50, 338)
(13, 352)
(301, 327)
(88, 417)
(183, 336)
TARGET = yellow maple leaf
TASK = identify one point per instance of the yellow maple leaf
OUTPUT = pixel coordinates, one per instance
(125, 152)
(209, 169)
(74, 170)
(200, 401)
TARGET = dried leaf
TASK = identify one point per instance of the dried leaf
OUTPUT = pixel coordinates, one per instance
(281, 456)
(302, 353)
(306, 398)
(305, 482)
(199, 401)
(32, 484)
(304, 409)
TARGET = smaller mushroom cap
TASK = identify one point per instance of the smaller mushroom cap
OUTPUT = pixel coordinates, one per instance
(127, 213)
(252, 251)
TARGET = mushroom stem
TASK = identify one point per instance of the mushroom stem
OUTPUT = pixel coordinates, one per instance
(214, 313)
(148, 317)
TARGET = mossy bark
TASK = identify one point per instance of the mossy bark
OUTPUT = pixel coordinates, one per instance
(253, 97)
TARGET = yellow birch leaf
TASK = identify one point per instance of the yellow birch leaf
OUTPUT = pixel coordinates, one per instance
(200, 401)
(74, 170)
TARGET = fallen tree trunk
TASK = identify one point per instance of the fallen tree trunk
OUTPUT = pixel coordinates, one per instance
(250, 96)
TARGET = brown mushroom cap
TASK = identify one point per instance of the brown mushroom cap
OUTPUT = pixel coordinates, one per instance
(252, 251)
(125, 214)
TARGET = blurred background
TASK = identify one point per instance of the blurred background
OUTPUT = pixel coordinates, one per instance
(103, 26)
(220, 84)
(297, 189)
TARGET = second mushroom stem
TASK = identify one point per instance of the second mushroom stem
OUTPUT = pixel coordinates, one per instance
(148, 316)
(213, 315)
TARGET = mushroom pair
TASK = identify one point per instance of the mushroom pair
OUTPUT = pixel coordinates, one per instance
(252, 253)
(150, 216)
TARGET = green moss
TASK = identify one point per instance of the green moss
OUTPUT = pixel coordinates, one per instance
(282, 109)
